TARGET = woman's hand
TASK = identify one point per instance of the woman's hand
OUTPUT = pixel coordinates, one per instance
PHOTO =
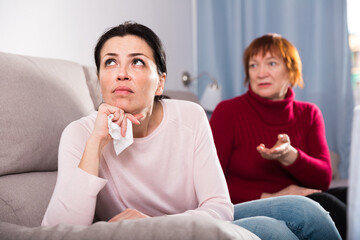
(128, 214)
(291, 190)
(281, 151)
(100, 135)
(101, 130)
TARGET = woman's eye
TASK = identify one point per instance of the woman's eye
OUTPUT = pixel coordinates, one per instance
(110, 62)
(252, 65)
(272, 63)
(138, 62)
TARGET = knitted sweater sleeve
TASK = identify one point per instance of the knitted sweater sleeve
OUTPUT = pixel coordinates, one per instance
(223, 133)
(209, 181)
(74, 197)
(313, 168)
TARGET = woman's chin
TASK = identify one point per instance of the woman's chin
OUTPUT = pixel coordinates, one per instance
(123, 104)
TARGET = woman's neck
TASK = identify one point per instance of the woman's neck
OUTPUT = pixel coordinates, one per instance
(150, 122)
(273, 112)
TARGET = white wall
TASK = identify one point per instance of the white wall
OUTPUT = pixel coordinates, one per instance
(353, 8)
(69, 29)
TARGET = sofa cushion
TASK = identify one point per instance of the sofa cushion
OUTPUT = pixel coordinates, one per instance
(24, 197)
(38, 98)
(93, 85)
(182, 95)
(157, 228)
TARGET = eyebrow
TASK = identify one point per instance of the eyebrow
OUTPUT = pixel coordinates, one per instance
(137, 54)
(131, 54)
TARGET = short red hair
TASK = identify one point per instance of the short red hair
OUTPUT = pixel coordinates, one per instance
(276, 45)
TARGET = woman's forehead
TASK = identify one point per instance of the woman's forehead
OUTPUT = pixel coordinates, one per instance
(262, 53)
(127, 44)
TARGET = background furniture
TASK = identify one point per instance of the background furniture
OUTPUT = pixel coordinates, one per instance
(354, 180)
(38, 98)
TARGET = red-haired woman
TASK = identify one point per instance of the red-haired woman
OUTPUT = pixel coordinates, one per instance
(252, 133)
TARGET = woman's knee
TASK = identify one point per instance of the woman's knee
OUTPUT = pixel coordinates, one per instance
(303, 216)
(278, 207)
(266, 227)
(310, 206)
(303, 208)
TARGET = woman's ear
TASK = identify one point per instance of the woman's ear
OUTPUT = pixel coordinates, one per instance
(161, 84)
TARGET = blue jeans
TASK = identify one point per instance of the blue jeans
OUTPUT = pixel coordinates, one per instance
(286, 217)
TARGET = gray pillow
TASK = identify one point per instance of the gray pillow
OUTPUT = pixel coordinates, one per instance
(24, 197)
(38, 98)
(93, 84)
(158, 228)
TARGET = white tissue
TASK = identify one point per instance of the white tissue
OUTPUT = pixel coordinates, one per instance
(120, 142)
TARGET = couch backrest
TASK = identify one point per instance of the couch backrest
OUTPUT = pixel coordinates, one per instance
(93, 85)
(38, 98)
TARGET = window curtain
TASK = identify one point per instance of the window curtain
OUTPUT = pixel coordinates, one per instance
(319, 31)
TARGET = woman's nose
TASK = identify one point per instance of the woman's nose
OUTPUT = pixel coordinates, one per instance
(122, 73)
(262, 71)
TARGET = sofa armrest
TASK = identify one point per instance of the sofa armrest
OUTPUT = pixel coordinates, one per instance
(157, 228)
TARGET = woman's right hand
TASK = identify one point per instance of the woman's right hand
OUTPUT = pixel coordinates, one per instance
(291, 190)
(100, 135)
(282, 151)
(101, 130)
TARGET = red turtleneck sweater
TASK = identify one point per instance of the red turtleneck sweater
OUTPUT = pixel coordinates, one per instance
(240, 124)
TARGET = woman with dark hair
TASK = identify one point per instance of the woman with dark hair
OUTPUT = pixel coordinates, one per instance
(252, 133)
(157, 174)
(167, 163)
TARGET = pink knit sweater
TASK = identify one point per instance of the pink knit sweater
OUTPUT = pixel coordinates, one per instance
(174, 170)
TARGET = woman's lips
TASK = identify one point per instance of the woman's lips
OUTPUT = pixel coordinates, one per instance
(123, 90)
(263, 85)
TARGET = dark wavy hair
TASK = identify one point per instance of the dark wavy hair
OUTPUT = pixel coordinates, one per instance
(141, 31)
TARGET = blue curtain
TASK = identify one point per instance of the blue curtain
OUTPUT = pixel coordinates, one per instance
(319, 31)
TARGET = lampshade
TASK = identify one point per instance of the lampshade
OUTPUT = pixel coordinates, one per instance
(211, 97)
(212, 94)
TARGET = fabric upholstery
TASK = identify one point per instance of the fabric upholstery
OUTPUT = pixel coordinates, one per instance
(93, 84)
(182, 95)
(25, 197)
(159, 228)
(38, 98)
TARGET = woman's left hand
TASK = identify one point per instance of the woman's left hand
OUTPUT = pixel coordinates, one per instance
(281, 151)
(128, 214)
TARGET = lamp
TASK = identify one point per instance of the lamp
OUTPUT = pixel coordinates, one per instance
(212, 94)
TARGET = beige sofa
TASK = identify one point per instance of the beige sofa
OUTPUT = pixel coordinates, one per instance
(38, 98)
